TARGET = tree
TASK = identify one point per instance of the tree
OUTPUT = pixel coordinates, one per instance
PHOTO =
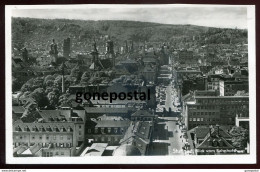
(75, 72)
(85, 77)
(25, 94)
(39, 96)
(53, 98)
(26, 87)
(31, 114)
(47, 79)
(64, 99)
(240, 137)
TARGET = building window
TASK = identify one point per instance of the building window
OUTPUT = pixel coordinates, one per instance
(190, 119)
(115, 139)
(68, 138)
(201, 119)
(62, 153)
(115, 130)
(198, 119)
(109, 130)
(89, 130)
(96, 130)
(109, 139)
(57, 153)
(21, 137)
(61, 137)
(79, 132)
(79, 126)
(102, 130)
(33, 137)
(40, 137)
(194, 119)
(102, 139)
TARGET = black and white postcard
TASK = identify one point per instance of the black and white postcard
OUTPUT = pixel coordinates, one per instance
(130, 84)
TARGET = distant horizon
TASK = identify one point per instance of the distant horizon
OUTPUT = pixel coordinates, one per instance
(131, 21)
(218, 16)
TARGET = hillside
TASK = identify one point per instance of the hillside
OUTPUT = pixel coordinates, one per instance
(40, 31)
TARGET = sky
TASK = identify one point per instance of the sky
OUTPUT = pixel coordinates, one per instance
(206, 15)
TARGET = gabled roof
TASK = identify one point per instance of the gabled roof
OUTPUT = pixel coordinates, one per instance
(138, 131)
(202, 131)
(186, 97)
(96, 149)
(104, 110)
(18, 109)
(143, 130)
(112, 123)
(45, 126)
(205, 144)
(61, 114)
(21, 149)
(142, 113)
(35, 148)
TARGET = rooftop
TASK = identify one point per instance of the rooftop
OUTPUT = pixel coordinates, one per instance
(112, 123)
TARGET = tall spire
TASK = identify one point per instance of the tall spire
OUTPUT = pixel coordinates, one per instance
(62, 67)
(126, 47)
(94, 54)
(110, 51)
(132, 46)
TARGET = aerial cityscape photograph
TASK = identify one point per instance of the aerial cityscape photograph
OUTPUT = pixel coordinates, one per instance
(157, 81)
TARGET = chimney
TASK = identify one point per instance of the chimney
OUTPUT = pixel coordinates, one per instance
(71, 112)
(210, 130)
(217, 129)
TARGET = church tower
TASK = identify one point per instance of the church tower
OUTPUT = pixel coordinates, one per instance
(126, 47)
(66, 48)
(132, 47)
(54, 51)
(110, 51)
(94, 54)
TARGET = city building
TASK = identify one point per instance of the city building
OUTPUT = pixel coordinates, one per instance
(66, 48)
(56, 133)
(106, 130)
(139, 135)
(211, 140)
(210, 109)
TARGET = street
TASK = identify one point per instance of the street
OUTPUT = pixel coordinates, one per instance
(166, 140)
(171, 98)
